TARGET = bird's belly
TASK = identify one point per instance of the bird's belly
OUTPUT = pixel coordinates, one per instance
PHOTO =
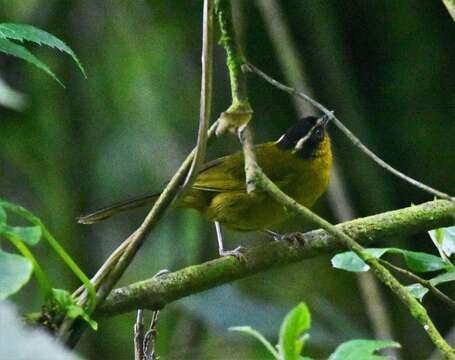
(240, 211)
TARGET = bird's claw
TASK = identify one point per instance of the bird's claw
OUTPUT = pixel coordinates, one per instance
(238, 252)
(292, 239)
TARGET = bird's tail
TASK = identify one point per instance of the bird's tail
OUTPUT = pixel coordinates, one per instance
(107, 212)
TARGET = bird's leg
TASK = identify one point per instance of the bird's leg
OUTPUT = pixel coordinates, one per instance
(237, 252)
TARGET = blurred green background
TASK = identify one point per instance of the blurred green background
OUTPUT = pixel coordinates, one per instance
(385, 67)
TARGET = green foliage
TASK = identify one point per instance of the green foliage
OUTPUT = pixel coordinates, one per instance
(444, 240)
(23, 32)
(362, 349)
(416, 261)
(250, 331)
(65, 304)
(419, 291)
(291, 340)
(15, 271)
(30, 235)
(21, 236)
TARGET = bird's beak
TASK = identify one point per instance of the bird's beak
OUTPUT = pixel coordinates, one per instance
(325, 120)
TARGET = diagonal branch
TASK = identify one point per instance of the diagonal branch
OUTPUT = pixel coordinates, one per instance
(155, 293)
(118, 262)
(354, 139)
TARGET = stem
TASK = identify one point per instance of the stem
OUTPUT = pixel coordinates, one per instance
(206, 93)
(154, 293)
(239, 113)
(37, 269)
(293, 68)
(415, 308)
(426, 283)
(118, 264)
(234, 58)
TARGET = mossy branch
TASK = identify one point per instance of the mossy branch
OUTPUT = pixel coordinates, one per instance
(157, 292)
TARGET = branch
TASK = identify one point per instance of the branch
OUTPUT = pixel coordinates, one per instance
(354, 139)
(426, 283)
(415, 308)
(206, 93)
(156, 293)
(117, 263)
(238, 115)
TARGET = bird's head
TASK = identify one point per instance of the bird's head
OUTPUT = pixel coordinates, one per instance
(307, 138)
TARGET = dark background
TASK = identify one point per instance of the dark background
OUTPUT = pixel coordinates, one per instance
(385, 67)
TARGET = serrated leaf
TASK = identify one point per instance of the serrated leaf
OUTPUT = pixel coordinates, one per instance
(10, 48)
(24, 32)
(417, 290)
(30, 235)
(256, 334)
(15, 272)
(350, 261)
(68, 306)
(362, 350)
(291, 341)
(3, 216)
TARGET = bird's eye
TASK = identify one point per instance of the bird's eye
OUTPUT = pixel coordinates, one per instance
(319, 133)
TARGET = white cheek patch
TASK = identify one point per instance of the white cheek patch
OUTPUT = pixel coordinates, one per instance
(302, 141)
(281, 138)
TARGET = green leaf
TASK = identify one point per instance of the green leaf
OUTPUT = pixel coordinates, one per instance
(250, 331)
(350, 261)
(3, 216)
(362, 350)
(30, 33)
(21, 52)
(59, 250)
(30, 235)
(444, 240)
(67, 305)
(422, 262)
(417, 290)
(416, 261)
(291, 341)
(443, 278)
(15, 272)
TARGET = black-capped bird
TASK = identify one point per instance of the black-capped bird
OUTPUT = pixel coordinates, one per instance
(299, 163)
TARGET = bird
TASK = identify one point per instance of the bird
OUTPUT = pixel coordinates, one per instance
(299, 163)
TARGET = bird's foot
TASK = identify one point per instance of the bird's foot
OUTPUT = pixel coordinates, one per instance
(292, 239)
(238, 252)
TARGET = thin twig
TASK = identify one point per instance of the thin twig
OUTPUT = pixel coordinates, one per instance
(206, 93)
(117, 263)
(139, 336)
(355, 140)
(150, 338)
(239, 114)
(426, 283)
